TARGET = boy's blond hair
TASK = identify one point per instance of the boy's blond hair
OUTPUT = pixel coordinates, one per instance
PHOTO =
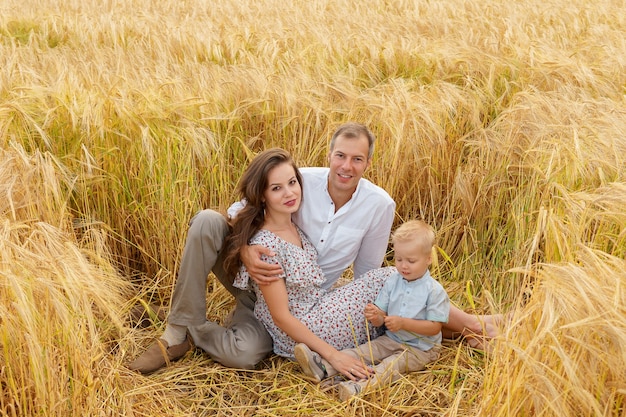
(418, 231)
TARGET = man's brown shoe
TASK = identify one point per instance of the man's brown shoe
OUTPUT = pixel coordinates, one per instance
(145, 315)
(158, 355)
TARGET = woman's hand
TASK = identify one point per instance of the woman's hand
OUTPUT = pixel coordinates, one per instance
(277, 300)
(261, 272)
(350, 366)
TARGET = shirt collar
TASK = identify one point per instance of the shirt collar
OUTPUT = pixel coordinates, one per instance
(352, 197)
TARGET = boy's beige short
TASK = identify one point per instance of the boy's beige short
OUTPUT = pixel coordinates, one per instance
(389, 358)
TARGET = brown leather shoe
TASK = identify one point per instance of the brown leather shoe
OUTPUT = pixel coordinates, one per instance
(158, 355)
(146, 315)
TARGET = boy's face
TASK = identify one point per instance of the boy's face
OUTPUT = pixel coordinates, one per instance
(412, 261)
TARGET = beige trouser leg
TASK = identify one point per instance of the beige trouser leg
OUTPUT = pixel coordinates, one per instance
(391, 360)
(245, 342)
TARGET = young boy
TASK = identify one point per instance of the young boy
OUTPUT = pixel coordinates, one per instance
(411, 305)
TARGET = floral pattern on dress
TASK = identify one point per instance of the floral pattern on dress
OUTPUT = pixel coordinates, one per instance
(335, 315)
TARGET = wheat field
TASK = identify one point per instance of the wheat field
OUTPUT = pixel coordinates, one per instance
(502, 124)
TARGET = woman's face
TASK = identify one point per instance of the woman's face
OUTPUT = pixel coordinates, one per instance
(283, 193)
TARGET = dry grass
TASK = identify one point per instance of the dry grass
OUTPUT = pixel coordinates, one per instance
(503, 125)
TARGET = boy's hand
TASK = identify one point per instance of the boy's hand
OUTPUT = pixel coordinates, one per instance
(394, 323)
(374, 314)
(261, 272)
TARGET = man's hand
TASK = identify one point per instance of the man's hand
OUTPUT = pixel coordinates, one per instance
(261, 272)
(374, 314)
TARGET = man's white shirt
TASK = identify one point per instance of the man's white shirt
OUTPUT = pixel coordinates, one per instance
(358, 233)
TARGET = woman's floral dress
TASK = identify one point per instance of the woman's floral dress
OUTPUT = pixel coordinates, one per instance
(335, 315)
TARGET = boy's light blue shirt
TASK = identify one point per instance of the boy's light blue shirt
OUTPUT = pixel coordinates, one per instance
(422, 299)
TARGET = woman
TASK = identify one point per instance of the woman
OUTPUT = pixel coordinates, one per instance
(297, 309)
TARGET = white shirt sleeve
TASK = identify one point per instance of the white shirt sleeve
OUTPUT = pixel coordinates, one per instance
(374, 244)
(234, 208)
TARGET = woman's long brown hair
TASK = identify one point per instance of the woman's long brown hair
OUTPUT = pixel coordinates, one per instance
(251, 187)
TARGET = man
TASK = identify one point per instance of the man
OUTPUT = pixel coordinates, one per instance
(345, 216)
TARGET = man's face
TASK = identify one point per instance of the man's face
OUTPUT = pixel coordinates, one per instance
(347, 161)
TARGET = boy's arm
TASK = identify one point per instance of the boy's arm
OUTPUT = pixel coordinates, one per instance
(423, 327)
(438, 308)
(374, 314)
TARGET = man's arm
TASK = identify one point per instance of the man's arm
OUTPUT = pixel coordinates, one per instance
(261, 272)
(374, 244)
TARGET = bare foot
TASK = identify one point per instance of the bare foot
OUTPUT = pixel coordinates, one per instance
(491, 324)
(477, 342)
(490, 327)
